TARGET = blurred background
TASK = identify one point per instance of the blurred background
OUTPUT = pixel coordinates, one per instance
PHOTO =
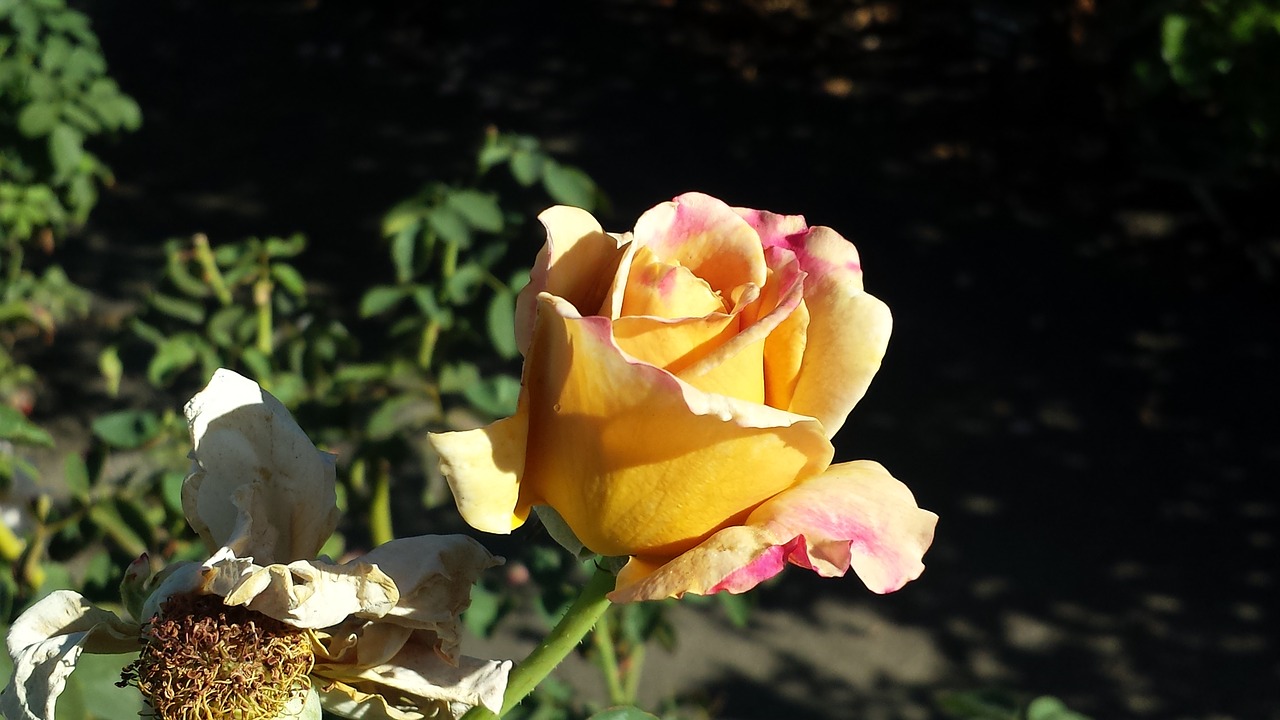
(1068, 207)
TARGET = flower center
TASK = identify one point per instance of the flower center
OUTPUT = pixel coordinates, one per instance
(203, 659)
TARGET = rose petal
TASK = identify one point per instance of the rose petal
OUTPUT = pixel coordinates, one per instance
(847, 333)
(46, 641)
(772, 228)
(855, 514)
(434, 574)
(784, 349)
(484, 469)
(346, 701)
(633, 459)
(415, 668)
(576, 263)
(636, 460)
(706, 236)
(257, 485)
(304, 593)
(662, 290)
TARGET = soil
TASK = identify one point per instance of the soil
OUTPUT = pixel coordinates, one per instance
(1081, 379)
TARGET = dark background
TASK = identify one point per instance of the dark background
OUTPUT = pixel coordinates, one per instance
(1081, 379)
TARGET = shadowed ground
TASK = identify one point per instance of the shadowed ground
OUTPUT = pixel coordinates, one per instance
(1081, 377)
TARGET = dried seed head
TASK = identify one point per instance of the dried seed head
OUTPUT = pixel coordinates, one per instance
(202, 659)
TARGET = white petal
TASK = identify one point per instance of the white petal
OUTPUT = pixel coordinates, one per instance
(434, 574)
(417, 669)
(258, 485)
(349, 702)
(306, 593)
(45, 643)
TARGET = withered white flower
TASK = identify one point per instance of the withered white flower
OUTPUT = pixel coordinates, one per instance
(262, 629)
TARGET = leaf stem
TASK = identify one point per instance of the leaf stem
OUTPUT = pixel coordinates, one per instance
(602, 638)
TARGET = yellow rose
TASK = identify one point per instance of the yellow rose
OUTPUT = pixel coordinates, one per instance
(681, 384)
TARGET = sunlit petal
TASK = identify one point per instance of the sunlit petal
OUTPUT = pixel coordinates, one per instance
(257, 485)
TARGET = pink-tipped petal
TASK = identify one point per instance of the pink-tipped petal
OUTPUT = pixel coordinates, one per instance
(847, 333)
(853, 515)
(576, 263)
(705, 235)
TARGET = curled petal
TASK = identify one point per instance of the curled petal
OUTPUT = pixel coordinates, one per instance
(46, 641)
(705, 235)
(347, 701)
(304, 594)
(853, 515)
(484, 467)
(434, 575)
(848, 330)
(576, 263)
(258, 485)
(415, 667)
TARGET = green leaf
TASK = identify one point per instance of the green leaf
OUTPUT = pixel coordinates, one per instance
(25, 20)
(81, 118)
(38, 119)
(15, 427)
(289, 277)
(222, 325)
(56, 51)
(380, 299)
(400, 413)
(502, 325)
(173, 355)
(460, 286)
(526, 166)
(112, 369)
(96, 676)
(75, 474)
(404, 216)
(480, 209)
(1173, 33)
(258, 363)
(568, 185)
(449, 225)
(107, 516)
(403, 246)
(484, 611)
(171, 490)
(1047, 707)
(360, 373)
(496, 396)
(127, 112)
(736, 607)
(291, 246)
(629, 712)
(66, 149)
(180, 308)
(126, 429)
(493, 153)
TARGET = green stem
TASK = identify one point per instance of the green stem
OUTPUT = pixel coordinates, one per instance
(602, 638)
(427, 344)
(262, 298)
(561, 641)
(209, 266)
(380, 506)
(635, 662)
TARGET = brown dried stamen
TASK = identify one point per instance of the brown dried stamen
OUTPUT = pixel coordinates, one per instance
(203, 659)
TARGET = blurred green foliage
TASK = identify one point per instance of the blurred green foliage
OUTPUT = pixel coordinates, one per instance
(1205, 71)
(54, 95)
(1004, 705)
